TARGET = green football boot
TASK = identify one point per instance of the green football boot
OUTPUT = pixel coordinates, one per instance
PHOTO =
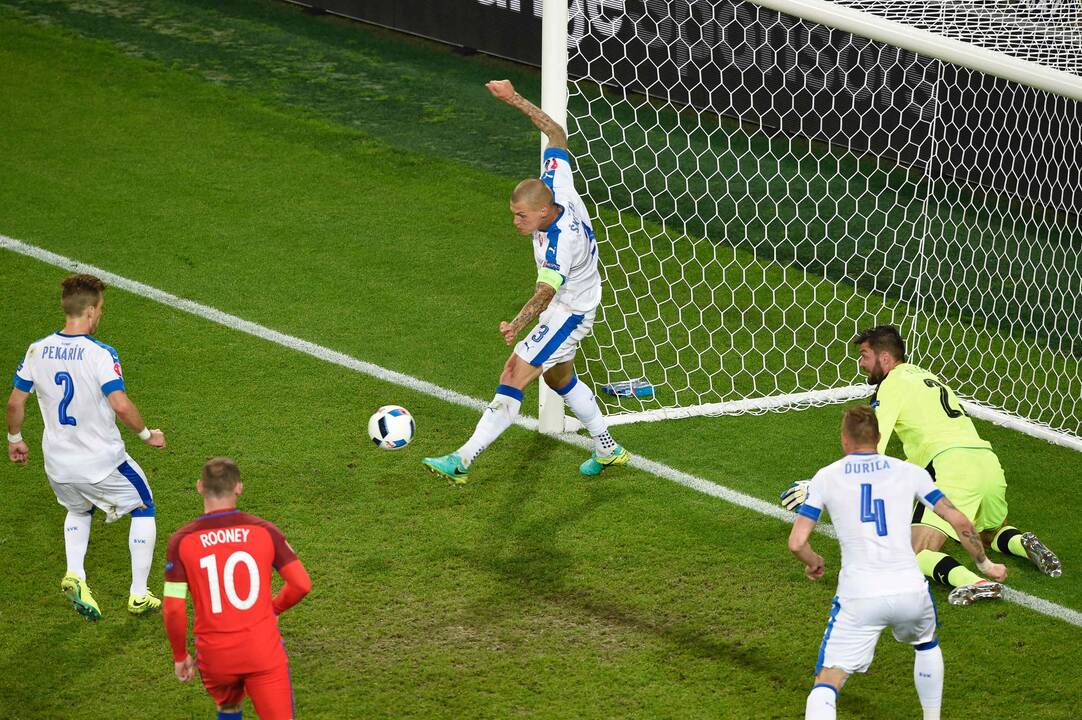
(597, 463)
(449, 466)
(144, 605)
(76, 590)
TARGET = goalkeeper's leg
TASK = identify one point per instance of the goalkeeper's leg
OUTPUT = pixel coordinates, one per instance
(991, 520)
(942, 568)
(936, 565)
(1011, 541)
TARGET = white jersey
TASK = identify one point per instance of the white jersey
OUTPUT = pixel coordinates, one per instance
(567, 248)
(870, 501)
(73, 376)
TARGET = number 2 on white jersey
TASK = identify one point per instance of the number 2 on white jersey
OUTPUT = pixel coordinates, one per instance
(210, 564)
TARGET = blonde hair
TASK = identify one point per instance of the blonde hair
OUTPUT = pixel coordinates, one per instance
(534, 193)
(860, 425)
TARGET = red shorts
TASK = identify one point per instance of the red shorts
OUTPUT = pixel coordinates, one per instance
(271, 690)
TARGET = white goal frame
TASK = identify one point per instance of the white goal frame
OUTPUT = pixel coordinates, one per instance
(555, 41)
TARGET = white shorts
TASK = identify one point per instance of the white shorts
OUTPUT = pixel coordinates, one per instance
(556, 337)
(122, 491)
(855, 625)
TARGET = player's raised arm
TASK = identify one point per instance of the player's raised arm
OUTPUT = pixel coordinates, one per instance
(970, 539)
(18, 451)
(504, 90)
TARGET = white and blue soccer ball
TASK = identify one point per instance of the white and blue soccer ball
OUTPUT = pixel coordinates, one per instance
(391, 427)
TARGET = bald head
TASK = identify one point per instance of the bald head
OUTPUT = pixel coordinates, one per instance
(532, 194)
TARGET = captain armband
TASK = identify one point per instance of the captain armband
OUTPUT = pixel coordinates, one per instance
(550, 277)
(177, 590)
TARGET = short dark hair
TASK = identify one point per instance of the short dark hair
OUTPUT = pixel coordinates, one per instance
(860, 425)
(220, 476)
(78, 292)
(883, 338)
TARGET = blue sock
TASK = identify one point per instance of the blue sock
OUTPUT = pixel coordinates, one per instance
(231, 715)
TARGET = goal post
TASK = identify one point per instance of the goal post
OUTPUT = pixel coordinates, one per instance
(769, 177)
(550, 415)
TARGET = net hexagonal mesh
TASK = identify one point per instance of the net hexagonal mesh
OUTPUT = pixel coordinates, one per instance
(765, 187)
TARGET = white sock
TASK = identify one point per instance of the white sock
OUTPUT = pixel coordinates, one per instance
(822, 703)
(76, 538)
(141, 538)
(928, 677)
(582, 402)
(498, 416)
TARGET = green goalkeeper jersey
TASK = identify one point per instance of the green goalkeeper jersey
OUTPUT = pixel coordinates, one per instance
(924, 412)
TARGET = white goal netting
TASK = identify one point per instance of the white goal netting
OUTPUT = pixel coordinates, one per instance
(766, 187)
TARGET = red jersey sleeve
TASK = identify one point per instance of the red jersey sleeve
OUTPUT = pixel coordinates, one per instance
(283, 553)
(174, 568)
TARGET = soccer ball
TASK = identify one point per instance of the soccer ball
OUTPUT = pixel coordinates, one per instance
(391, 427)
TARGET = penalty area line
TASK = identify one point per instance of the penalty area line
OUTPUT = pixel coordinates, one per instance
(734, 497)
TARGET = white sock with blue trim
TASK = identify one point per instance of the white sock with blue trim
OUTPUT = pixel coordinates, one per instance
(822, 703)
(498, 416)
(141, 539)
(928, 677)
(76, 539)
(582, 401)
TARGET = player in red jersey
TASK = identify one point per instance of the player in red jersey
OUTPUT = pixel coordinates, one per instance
(226, 557)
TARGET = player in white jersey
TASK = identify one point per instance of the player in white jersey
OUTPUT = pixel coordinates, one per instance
(565, 300)
(80, 389)
(870, 500)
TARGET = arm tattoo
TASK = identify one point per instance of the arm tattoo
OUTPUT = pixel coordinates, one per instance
(970, 539)
(556, 135)
(542, 296)
(973, 544)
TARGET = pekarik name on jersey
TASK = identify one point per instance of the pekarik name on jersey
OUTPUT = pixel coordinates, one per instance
(58, 352)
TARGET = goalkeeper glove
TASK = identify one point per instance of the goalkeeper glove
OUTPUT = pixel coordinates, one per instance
(795, 495)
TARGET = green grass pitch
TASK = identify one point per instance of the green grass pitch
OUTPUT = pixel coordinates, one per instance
(348, 186)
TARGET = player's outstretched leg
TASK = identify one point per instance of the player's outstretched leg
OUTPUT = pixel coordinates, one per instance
(969, 587)
(582, 402)
(928, 677)
(498, 416)
(1012, 541)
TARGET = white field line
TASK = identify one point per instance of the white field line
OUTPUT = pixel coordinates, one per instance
(233, 322)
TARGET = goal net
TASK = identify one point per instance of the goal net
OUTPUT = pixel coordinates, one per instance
(767, 185)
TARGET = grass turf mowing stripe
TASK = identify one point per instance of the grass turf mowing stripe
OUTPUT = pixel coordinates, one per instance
(233, 322)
